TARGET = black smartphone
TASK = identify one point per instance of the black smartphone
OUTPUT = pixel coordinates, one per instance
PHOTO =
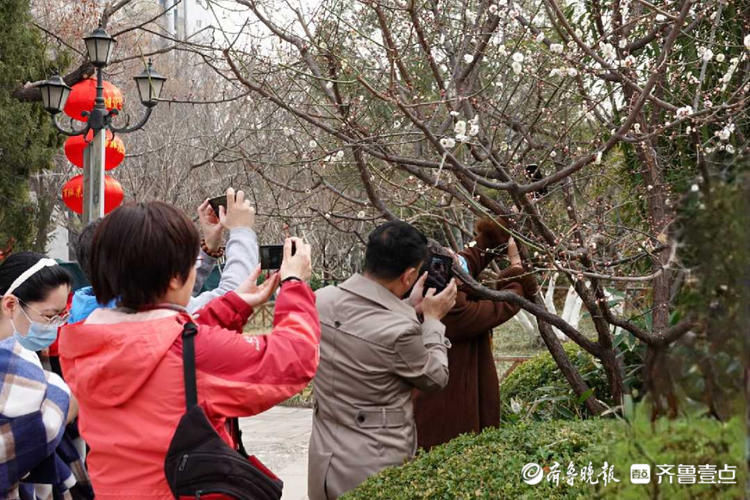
(439, 272)
(218, 201)
(272, 255)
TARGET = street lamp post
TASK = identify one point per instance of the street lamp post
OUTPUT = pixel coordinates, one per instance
(55, 93)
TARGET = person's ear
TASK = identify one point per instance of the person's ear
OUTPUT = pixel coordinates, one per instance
(176, 283)
(410, 276)
(8, 305)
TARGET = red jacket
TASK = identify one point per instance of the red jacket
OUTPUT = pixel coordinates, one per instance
(126, 372)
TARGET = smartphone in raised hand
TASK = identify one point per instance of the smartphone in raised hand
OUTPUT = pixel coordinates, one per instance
(439, 272)
(218, 201)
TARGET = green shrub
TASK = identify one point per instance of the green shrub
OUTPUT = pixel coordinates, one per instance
(537, 389)
(489, 465)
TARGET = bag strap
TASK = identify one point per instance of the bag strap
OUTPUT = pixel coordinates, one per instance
(188, 364)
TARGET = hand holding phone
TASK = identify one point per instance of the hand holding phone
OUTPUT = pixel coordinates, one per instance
(233, 209)
(297, 260)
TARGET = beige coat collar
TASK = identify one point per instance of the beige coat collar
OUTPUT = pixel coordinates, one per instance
(375, 292)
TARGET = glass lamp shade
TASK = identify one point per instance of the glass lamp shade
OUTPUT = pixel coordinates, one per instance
(99, 46)
(54, 94)
(149, 85)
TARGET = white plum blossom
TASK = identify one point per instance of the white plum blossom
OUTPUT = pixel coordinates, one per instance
(733, 63)
(555, 72)
(312, 144)
(361, 214)
(462, 138)
(447, 142)
(468, 58)
(397, 124)
(572, 72)
(572, 44)
(502, 51)
(474, 126)
(684, 111)
(729, 149)
(637, 128)
(517, 67)
(329, 85)
(540, 37)
(695, 188)
(492, 9)
(556, 48)
(518, 57)
(608, 51)
(454, 113)
(725, 133)
(660, 18)
(747, 42)
(340, 154)
(622, 43)
(460, 127)
(598, 158)
(705, 53)
(552, 154)
(720, 57)
(629, 61)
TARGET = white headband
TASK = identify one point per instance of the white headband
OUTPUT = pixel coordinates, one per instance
(42, 263)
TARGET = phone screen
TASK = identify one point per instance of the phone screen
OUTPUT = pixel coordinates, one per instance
(439, 272)
(271, 256)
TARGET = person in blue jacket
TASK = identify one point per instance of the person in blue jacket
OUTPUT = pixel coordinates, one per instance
(241, 251)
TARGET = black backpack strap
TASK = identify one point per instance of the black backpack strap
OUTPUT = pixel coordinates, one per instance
(188, 364)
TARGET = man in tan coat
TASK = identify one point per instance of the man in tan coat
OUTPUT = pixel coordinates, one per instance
(373, 352)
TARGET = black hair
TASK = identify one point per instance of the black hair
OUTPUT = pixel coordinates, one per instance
(394, 247)
(138, 249)
(39, 285)
(83, 247)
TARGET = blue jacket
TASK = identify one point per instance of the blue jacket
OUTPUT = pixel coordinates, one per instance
(242, 257)
(84, 303)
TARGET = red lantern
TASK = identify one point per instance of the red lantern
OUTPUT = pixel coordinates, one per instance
(114, 150)
(82, 98)
(72, 194)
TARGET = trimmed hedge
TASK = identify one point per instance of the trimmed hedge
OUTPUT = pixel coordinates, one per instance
(489, 465)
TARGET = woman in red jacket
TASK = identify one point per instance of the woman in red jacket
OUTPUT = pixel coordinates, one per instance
(125, 365)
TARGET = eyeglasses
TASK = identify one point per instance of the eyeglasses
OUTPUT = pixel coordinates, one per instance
(56, 320)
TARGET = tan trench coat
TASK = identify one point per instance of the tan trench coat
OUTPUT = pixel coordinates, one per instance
(373, 352)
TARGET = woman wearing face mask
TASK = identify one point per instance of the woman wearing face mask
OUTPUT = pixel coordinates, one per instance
(35, 404)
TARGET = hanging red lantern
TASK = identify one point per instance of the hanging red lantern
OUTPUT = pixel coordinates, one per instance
(114, 150)
(82, 98)
(72, 194)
